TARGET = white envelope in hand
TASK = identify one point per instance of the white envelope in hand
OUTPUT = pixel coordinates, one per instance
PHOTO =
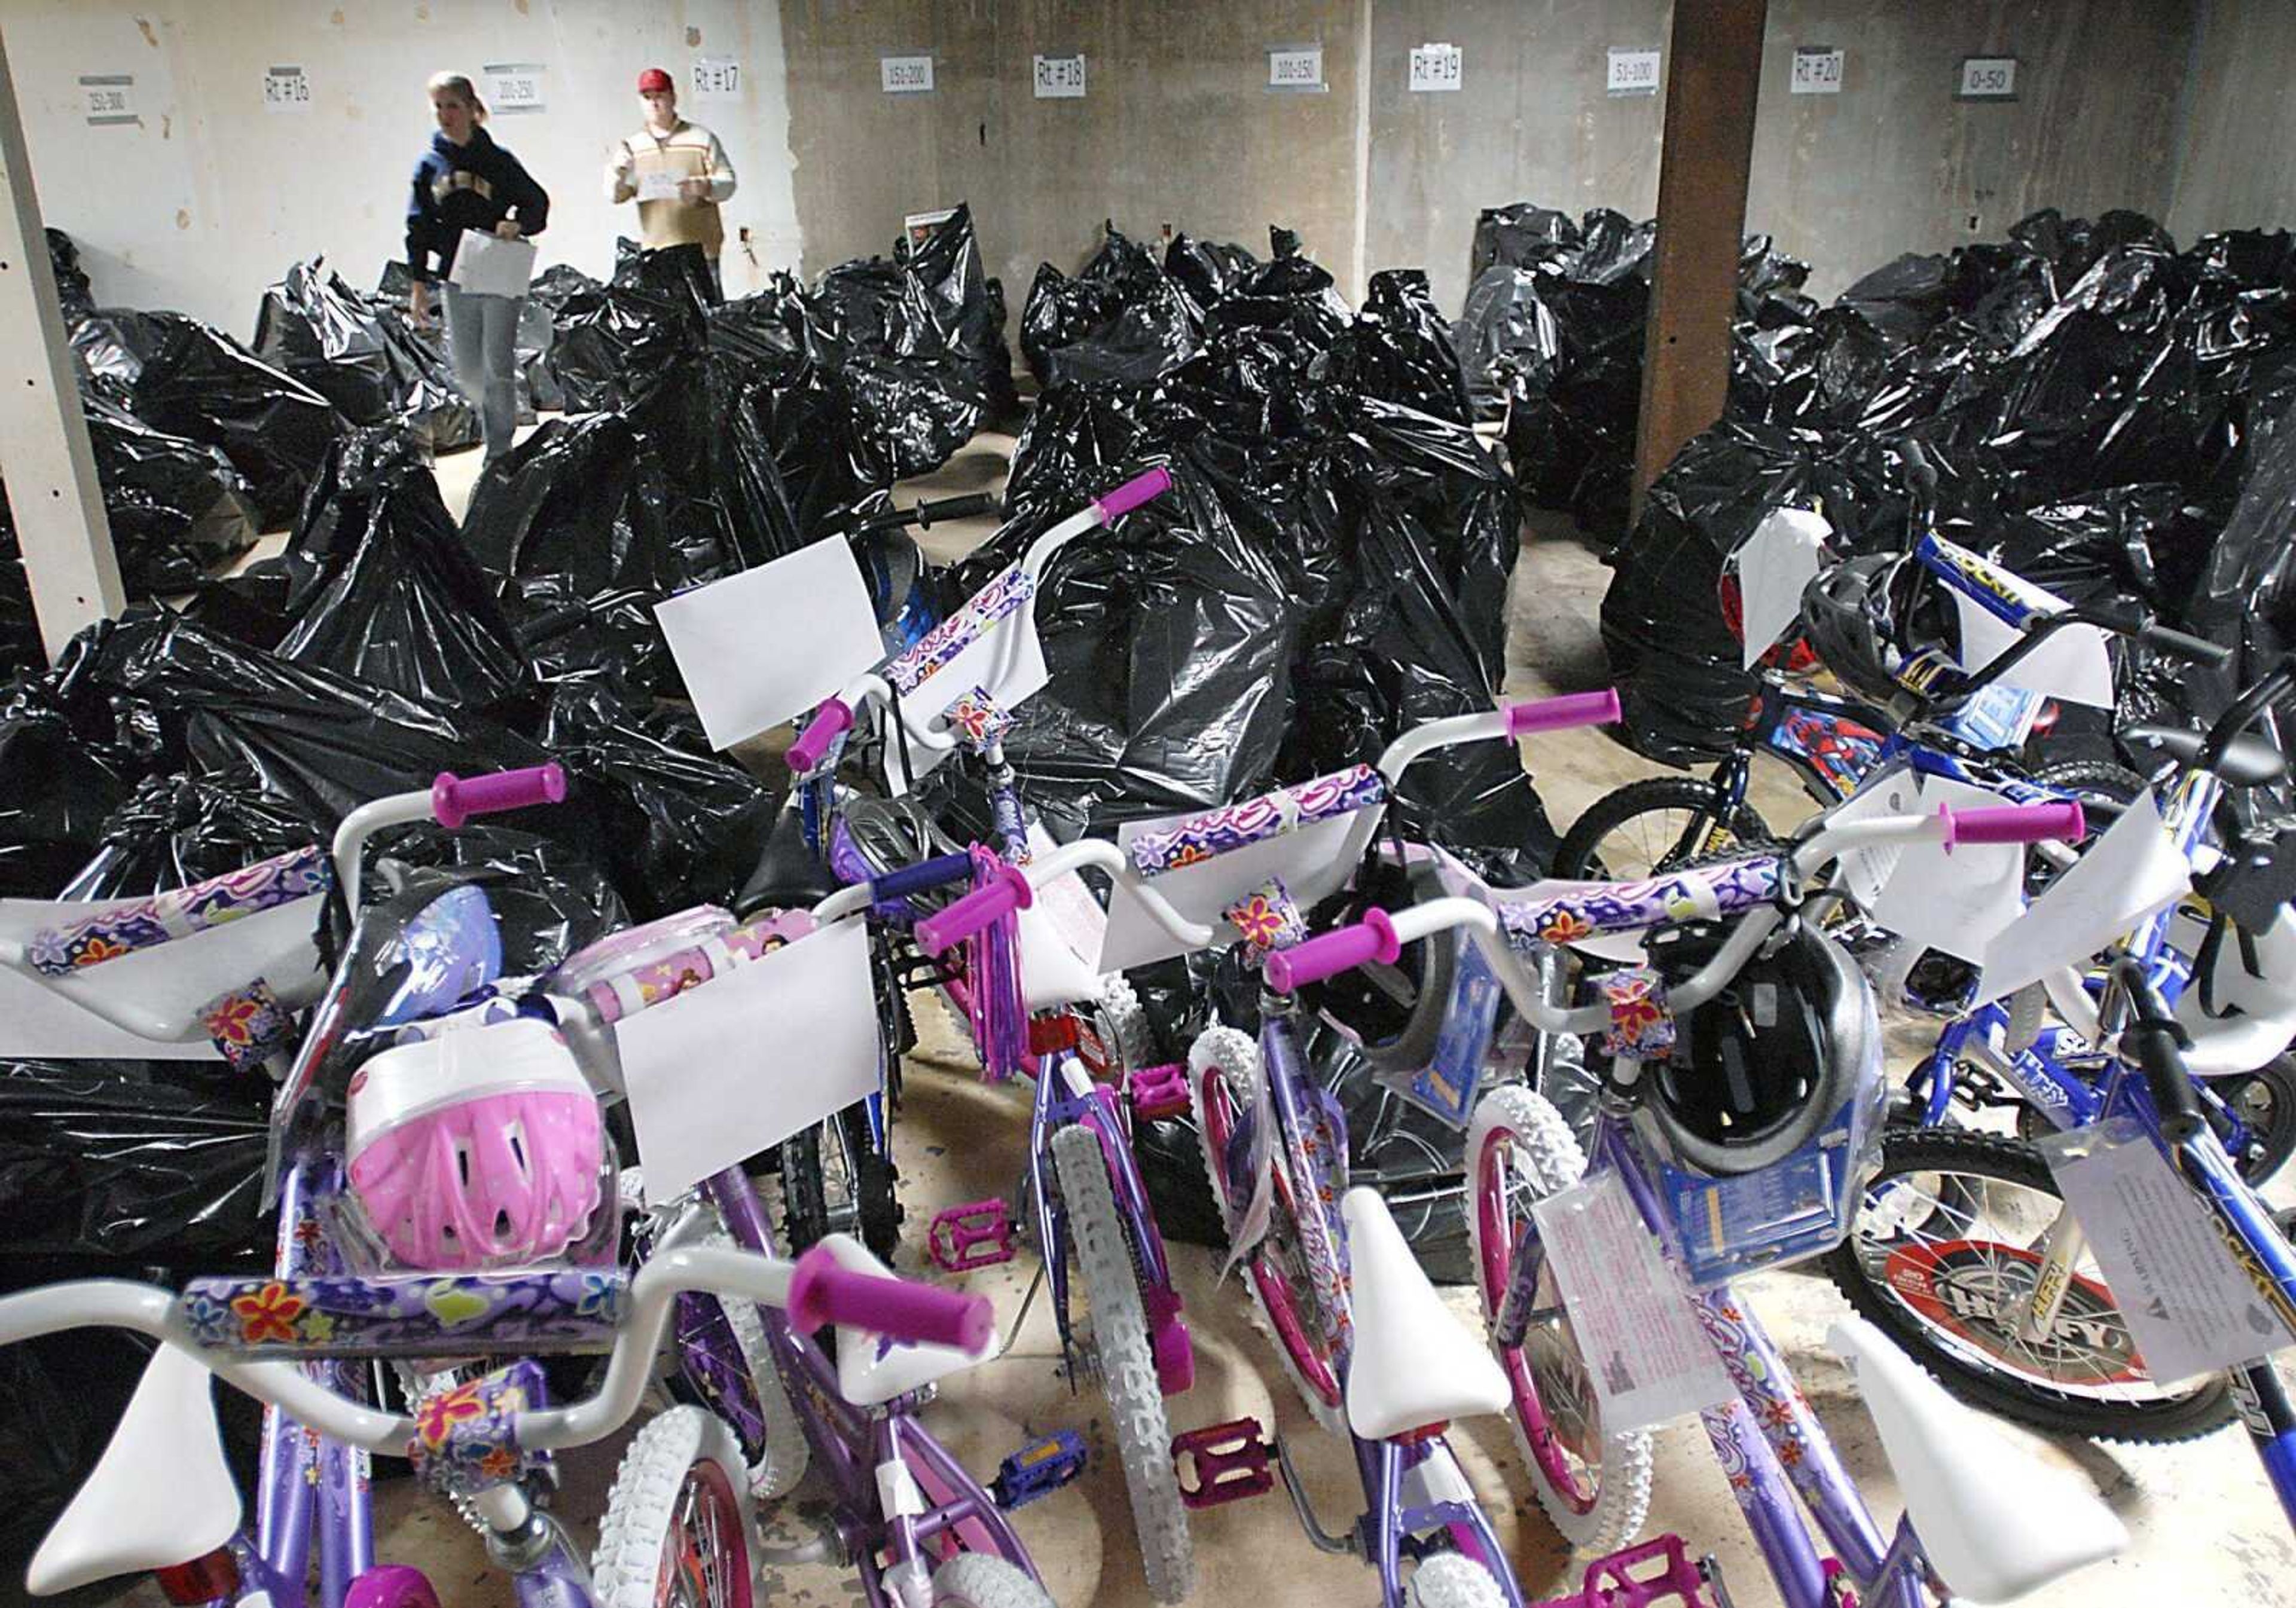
(486, 264)
(657, 187)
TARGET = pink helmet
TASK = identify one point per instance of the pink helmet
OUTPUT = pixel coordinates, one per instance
(476, 1150)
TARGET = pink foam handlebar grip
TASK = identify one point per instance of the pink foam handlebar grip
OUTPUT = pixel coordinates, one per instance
(829, 721)
(454, 799)
(2015, 823)
(1133, 493)
(1008, 893)
(1560, 714)
(1330, 953)
(823, 1292)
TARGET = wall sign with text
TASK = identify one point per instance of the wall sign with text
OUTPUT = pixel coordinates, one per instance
(1296, 66)
(1817, 69)
(716, 78)
(286, 90)
(110, 98)
(1987, 78)
(1059, 78)
(1435, 68)
(1631, 72)
(513, 87)
(906, 75)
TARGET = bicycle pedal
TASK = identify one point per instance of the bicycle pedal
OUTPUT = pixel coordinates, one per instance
(1039, 1469)
(1222, 1463)
(1158, 1092)
(971, 1236)
(1620, 1582)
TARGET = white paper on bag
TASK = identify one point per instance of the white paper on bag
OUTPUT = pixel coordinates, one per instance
(2130, 872)
(1314, 862)
(738, 1065)
(1007, 658)
(486, 264)
(2182, 1292)
(657, 187)
(1953, 900)
(1774, 565)
(763, 646)
(2072, 664)
(170, 982)
(1629, 1310)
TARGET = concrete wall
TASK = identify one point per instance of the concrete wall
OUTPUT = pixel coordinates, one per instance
(1891, 164)
(211, 197)
(2233, 169)
(1176, 125)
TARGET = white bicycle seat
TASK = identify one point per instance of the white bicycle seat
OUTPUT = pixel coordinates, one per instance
(871, 1369)
(1414, 1364)
(119, 1523)
(1996, 1521)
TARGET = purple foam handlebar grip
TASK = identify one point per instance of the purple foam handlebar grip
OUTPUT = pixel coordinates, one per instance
(454, 799)
(2015, 823)
(1008, 893)
(823, 1292)
(829, 721)
(1561, 713)
(1330, 953)
(1133, 493)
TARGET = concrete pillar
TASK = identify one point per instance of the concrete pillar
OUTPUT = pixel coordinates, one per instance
(45, 455)
(1714, 72)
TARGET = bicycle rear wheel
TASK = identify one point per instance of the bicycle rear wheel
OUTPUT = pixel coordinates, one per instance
(1654, 825)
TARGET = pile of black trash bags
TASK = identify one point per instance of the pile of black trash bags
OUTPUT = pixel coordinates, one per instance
(2090, 396)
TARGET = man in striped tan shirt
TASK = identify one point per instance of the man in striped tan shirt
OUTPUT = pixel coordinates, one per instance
(676, 172)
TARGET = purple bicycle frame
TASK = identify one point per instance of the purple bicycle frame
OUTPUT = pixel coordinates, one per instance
(1770, 1445)
(1379, 1464)
(852, 1443)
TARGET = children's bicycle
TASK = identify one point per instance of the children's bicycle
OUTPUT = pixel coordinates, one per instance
(1732, 1130)
(1357, 1325)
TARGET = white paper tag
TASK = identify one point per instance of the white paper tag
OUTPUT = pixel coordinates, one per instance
(169, 983)
(486, 264)
(1955, 900)
(1314, 862)
(286, 90)
(1299, 67)
(2185, 1296)
(1774, 565)
(657, 187)
(514, 86)
(1816, 70)
(760, 647)
(1435, 68)
(1649, 1358)
(735, 1066)
(1059, 78)
(110, 97)
(1632, 72)
(717, 79)
(2074, 664)
(1074, 913)
(2132, 872)
(906, 75)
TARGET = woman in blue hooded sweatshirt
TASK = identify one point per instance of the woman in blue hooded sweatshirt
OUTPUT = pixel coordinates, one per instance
(465, 181)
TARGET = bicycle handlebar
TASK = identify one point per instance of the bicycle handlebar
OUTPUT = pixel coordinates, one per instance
(1328, 954)
(1561, 713)
(831, 719)
(1508, 720)
(922, 878)
(454, 799)
(2014, 823)
(1008, 891)
(905, 1311)
(1138, 490)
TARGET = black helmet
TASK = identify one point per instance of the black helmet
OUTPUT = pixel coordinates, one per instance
(1789, 1050)
(1849, 617)
(1395, 1013)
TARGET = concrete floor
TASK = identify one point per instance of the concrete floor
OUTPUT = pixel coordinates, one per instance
(2206, 1529)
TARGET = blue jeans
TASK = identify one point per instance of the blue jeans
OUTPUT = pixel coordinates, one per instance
(482, 338)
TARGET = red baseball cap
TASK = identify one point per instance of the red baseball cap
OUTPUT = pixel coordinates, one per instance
(654, 79)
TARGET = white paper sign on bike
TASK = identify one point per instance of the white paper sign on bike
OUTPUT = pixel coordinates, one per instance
(1774, 565)
(1647, 1356)
(735, 1066)
(2184, 1298)
(2131, 873)
(1313, 862)
(762, 647)
(168, 985)
(2072, 664)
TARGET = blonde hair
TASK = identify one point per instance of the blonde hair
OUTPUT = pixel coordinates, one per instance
(462, 88)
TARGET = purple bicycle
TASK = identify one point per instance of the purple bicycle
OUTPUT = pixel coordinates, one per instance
(1726, 1173)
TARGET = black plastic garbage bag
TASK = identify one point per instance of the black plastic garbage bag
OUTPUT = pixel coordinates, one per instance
(1508, 343)
(174, 830)
(972, 304)
(1400, 349)
(549, 898)
(315, 328)
(135, 1161)
(679, 824)
(1208, 271)
(111, 347)
(392, 595)
(176, 508)
(537, 320)
(73, 291)
(55, 793)
(618, 345)
(1122, 318)
(204, 386)
(1520, 235)
(895, 342)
